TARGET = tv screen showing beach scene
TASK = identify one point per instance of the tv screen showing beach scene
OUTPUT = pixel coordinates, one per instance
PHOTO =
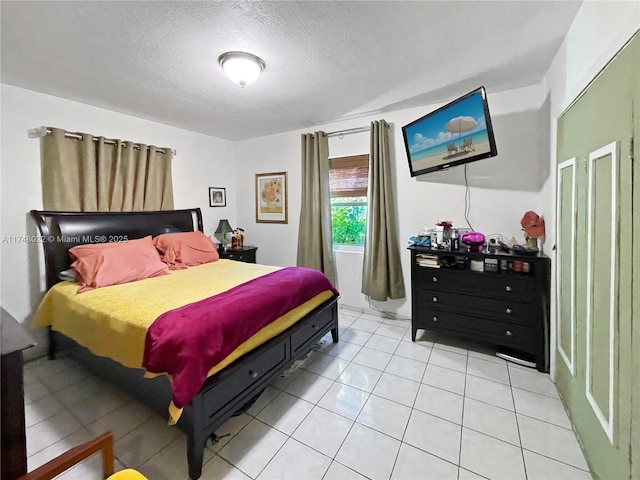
(455, 134)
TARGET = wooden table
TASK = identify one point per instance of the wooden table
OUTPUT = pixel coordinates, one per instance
(14, 338)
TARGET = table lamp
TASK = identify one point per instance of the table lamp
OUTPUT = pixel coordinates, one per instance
(221, 233)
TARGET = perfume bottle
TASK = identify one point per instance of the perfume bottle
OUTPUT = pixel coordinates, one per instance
(454, 241)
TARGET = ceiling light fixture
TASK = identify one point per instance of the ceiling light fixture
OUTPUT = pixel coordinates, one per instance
(243, 68)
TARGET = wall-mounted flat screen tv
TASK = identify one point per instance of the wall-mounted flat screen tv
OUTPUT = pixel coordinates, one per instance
(457, 133)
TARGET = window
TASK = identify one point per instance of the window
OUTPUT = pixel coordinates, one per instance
(348, 180)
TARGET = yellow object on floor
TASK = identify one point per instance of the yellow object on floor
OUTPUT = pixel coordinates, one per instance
(127, 474)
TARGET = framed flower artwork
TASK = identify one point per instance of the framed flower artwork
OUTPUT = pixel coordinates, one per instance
(271, 197)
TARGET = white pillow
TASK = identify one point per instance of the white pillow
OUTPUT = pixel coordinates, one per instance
(69, 275)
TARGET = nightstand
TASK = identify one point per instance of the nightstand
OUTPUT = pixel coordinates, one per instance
(245, 254)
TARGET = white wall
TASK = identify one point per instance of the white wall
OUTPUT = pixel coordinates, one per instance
(599, 30)
(502, 188)
(201, 162)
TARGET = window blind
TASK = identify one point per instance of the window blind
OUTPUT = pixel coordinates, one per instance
(349, 176)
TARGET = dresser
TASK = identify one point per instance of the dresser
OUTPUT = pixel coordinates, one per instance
(14, 339)
(496, 297)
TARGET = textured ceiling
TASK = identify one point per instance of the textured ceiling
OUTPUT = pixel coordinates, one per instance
(326, 61)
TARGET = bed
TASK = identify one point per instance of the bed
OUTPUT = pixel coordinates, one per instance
(226, 391)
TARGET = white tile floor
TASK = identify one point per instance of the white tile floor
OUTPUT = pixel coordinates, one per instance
(375, 405)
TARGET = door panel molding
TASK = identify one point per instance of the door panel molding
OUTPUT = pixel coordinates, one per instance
(567, 357)
(605, 419)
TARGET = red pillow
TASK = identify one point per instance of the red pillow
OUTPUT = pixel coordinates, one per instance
(186, 249)
(103, 264)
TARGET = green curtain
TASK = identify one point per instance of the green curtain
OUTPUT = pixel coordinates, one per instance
(315, 243)
(381, 270)
(85, 174)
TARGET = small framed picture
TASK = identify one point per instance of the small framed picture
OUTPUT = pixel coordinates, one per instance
(271, 197)
(217, 197)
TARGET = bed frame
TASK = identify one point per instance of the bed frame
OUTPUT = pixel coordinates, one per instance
(223, 394)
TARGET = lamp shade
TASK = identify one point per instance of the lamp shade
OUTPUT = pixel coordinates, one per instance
(241, 67)
(223, 228)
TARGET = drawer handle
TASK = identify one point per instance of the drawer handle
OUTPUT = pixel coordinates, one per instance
(315, 327)
(509, 333)
(508, 288)
(508, 310)
(435, 279)
(435, 299)
(253, 374)
(435, 319)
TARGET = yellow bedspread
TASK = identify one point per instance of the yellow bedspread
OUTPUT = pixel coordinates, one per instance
(113, 321)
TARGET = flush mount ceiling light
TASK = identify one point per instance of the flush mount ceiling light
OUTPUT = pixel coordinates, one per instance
(243, 68)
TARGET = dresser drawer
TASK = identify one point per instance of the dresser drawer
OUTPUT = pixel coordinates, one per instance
(501, 309)
(500, 333)
(506, 285)
(311, 331)
(248, 257)
(252, 374)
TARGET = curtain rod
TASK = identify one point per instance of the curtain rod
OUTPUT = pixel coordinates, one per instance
(42, 131)
(340, 133)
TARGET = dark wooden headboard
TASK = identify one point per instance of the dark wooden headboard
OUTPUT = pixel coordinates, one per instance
(62, 230)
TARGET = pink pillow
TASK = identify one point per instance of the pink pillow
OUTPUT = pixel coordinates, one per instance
(185, 249)
(103, 264)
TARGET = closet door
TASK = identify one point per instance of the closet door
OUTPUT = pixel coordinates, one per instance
(594, 267)
(566, 217)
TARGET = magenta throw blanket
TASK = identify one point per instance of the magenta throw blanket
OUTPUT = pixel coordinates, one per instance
(189, 341)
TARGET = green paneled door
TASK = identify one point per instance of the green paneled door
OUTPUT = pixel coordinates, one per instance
(595, 272)
(565, 261)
